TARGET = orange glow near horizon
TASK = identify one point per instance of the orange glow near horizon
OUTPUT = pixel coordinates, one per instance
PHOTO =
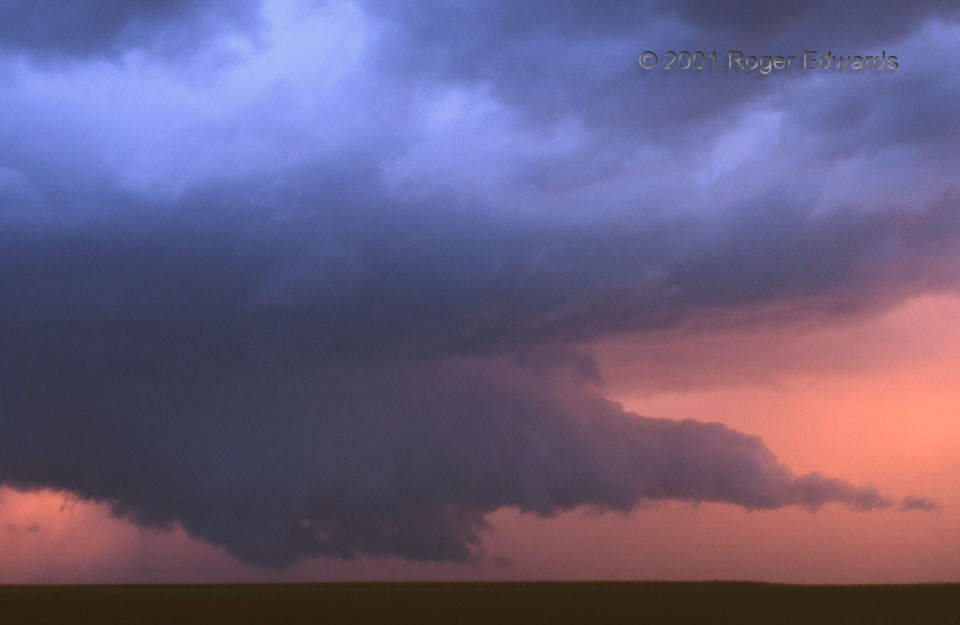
(875, 402)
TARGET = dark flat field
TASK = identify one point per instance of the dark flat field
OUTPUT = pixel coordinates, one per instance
(602, 602)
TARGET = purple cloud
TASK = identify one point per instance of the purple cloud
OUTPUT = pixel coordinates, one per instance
(333, 291)
(915, 502)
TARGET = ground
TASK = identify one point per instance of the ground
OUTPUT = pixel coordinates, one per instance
(646, 602)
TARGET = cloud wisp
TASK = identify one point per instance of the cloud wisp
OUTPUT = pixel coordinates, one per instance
(923, 504)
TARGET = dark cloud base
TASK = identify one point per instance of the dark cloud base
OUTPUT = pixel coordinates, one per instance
(353, 383)
(403, 459)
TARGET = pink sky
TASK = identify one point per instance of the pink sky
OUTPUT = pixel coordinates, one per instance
(875, 400)
(353, 278)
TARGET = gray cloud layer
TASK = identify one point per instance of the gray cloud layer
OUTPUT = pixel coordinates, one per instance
(337, 297)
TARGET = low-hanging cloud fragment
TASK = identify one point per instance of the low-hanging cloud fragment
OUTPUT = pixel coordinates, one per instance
(923, 504)
(22, 530)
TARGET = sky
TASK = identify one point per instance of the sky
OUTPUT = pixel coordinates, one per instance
(347, 290)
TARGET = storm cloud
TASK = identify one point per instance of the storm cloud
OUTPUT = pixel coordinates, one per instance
(335, 294)
(403, 459)
(51, 31)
